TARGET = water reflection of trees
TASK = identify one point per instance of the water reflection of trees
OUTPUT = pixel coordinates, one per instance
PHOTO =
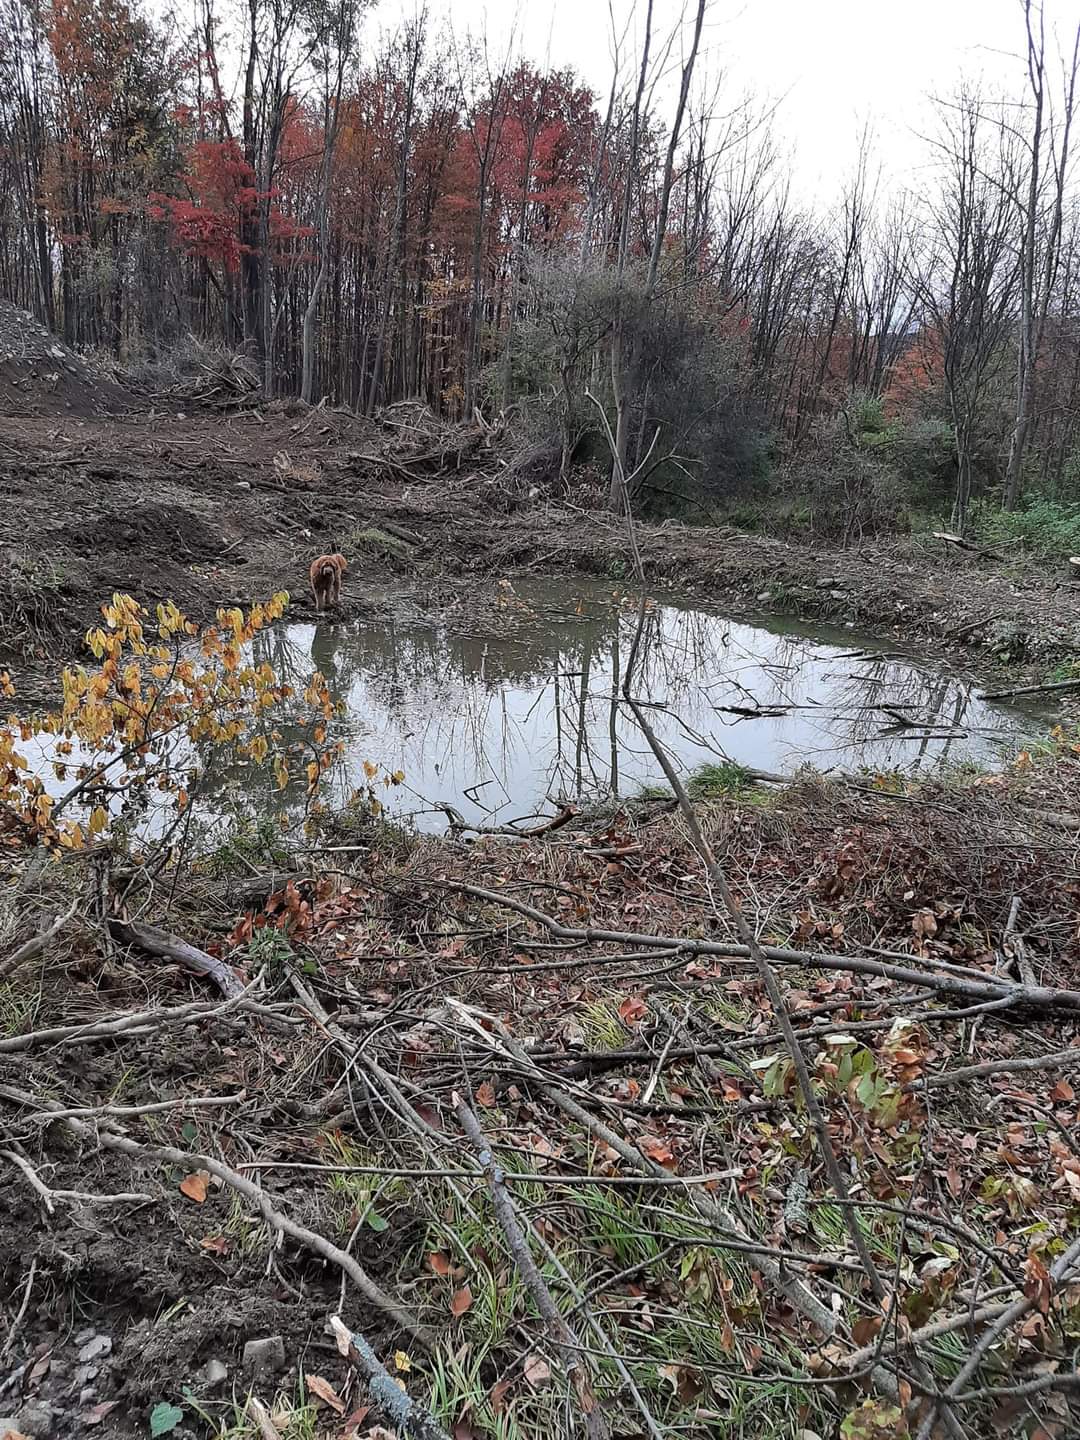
(517, 712)
(528, 707)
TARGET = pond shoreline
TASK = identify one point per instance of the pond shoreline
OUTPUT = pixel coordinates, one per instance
(210, 510)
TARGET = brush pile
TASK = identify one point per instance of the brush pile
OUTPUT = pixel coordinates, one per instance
(522, 1112)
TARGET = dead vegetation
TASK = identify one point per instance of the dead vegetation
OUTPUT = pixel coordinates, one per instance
(523, 1108)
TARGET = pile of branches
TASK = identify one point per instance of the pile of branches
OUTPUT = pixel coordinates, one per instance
(421, 448)
(562, 1071)
(219, 379)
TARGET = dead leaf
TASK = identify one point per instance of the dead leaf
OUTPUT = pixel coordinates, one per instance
(632, 1010)
(1062, 1091)
(1037, 1283)
(326, 1392)
(439, 1262)
(461, 1301)
(537, 1371)
(195, 1185)
(485, 1094)
(498, 1395)
(658, 1150)
(97, 1413)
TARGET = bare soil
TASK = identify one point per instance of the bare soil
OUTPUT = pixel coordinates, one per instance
(212, 509)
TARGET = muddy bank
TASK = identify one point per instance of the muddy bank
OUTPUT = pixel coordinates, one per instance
(210, 509)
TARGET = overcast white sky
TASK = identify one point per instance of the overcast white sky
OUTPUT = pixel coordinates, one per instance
(834, 64)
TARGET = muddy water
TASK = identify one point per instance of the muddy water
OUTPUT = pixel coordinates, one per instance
(507, 713)
(502, 717)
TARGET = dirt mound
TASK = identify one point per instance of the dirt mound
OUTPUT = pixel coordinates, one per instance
(150, 529)
(39, 375)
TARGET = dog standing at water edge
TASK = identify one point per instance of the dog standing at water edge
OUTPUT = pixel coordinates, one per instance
(326, 573)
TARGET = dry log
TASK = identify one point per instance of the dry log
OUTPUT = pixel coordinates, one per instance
(962, 544)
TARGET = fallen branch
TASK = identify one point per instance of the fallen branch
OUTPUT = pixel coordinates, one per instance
(996, 1067)
(1049, 688)
(136, 1022)
(49, 1196)
(1034, 997)
(164, 946)
(33, 947)
(283, 1224)
(564, 1339)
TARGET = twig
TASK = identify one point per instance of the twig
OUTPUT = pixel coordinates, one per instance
(384, 1390)
(1013, 943)
(521, 1177)
(85, 1112)
(262, 1417)
(13, 1329)
(560, 1332)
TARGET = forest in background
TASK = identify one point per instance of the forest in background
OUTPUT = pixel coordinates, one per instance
(377, 218)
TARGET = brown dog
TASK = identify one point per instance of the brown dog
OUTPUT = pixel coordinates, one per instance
(326, 573)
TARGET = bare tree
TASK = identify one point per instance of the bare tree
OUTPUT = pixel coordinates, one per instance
(1040, 203)
(414, 48)
(968, 272)
(334, 41)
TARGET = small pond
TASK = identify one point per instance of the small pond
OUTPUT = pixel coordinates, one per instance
(506, 713)
(504, 717)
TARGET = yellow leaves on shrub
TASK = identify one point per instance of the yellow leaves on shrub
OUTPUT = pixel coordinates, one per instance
(210, 694)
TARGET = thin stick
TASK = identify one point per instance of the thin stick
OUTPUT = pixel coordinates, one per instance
(560, 1332)
(10, 1339)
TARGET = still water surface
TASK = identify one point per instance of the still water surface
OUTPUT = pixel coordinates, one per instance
(504, 718)
(515, 709)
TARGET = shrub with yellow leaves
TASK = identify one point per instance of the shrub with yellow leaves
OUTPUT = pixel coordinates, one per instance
(165, 702)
